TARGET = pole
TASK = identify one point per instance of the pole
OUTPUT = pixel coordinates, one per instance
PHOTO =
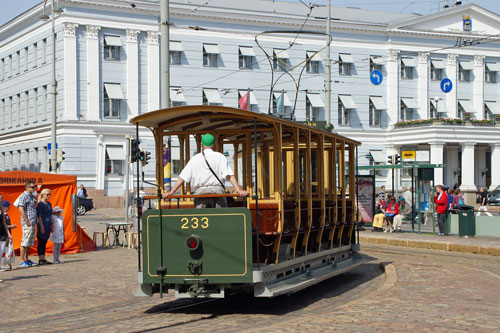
(138, 200)
(165, 49)
(328, 77)
(256, 193)
(53, 155)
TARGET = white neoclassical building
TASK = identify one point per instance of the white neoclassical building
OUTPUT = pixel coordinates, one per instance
(107, 69)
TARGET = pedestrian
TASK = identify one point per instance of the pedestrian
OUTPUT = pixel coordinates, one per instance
(207, 173)
(441, 201)
(27, 209)
(5, 235)
(378, 219)
(404, 211)
(5, 206)
(407, 195)
(57, 236)
(450, 199)
(391, 211)
(483, 195)
(458, 199)
(82, 191)
(381, 195)
(44, 227)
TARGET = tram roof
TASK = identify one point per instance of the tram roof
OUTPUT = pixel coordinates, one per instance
(214, 117)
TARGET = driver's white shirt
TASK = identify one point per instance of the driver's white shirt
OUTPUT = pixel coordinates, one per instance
(199, 175)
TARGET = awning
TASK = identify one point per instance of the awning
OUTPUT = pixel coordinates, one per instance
(281, 54)
(467, 65)
(410, 103)
(439, 64)
(176, 95)
(493, 107)
(114, 90)
(378, 102)
(347, 101)
(112, 40)
(286, 100)
(315, 57)
(441, 105)
(347, 58)
(176, 46)
(213, 96)
(493, 66)
(211, 48)
(408, 62)
(315, 100)
(378, 156)
(377, 60)
(115, 153)
(466, 105)
(247, 51)
(253, 100)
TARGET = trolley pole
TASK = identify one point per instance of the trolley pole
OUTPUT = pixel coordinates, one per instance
(328, 77)
(165, 57)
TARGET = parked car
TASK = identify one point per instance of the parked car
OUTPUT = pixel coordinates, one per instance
(493, 198)
(84, 205)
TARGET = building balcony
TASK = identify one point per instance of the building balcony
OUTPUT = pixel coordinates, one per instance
(447, 122)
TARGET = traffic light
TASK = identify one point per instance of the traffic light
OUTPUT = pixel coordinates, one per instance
(134, 150)
(397, 159)
(144, 157)
(60, 155)
(390, 159)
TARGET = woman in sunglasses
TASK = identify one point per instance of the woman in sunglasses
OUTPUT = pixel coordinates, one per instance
(44, 226)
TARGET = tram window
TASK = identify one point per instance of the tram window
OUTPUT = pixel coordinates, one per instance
(176, 167)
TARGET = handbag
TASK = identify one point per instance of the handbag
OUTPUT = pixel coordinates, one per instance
(10, 256)
(229, 200)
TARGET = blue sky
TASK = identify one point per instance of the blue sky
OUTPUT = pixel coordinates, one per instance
(11, 9)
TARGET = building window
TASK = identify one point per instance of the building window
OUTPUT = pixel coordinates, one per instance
(314, 105)
(35, 55)
(313, 59)
(112, 98)
(9, 66)
(246, 57)
(490, 72)
(25, 62)
(345, 64)
(2, 68)
(112, 46)
(211, 97)
(175, 53)
(210, 55)
(374, 115)
(491, 110)
(407, 65)
(406, 109)
(376, 63)
(436, 73)
(247, 100)
(280, 60)
(433, 111)
(177, 96)
(43, 49)
(18, 62)
(345, 104)
(114, 160)
(281, 103)
(464, 70)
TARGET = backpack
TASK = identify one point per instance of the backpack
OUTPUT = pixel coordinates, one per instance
(460, 201)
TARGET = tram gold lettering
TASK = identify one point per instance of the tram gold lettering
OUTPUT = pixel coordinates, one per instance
(195, 224)
(204, 225)
(185, 223)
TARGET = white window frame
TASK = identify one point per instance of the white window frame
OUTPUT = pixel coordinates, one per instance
(312, 113)
(35, 55)
(405, 113)
(111, 52)
(279, 64)
(345, 68)
(433, 111)
(18, 62)
(463, 74)
(489, 76)
(245, 61)
(344, 114)
(374, 115)
(375, 66)
(205, 98)
(406, 71)
(175, 57)
(44, 50)
(111, 107)
(436, 73)
(116, 167)
(210, 59)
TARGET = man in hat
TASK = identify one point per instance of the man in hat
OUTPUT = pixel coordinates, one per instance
(207, 173)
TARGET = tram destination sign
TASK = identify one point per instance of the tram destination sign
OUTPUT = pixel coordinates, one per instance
(316, 124)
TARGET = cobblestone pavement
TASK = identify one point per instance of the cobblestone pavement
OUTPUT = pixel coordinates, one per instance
(421, 290)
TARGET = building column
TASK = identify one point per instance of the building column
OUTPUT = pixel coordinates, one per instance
(70, 77)
(93, 91)
(495, 165)
(451, 97)
(153, 71)
(437, 150)
(423, 85)
(132, 74)
(101, 163)
(392, 68)
(468, 170)
(478, 91)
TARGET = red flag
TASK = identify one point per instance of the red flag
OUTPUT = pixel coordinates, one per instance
(243, 102)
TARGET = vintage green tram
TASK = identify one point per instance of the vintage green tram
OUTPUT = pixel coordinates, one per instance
(296, 229)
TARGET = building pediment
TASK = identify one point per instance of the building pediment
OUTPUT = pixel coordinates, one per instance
(470, 19)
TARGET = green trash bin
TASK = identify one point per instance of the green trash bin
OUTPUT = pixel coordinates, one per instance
(466, 221)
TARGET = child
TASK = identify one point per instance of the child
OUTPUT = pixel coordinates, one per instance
(5, 207)
(57, 235)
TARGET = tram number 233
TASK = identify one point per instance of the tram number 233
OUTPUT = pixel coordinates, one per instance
(194, 223)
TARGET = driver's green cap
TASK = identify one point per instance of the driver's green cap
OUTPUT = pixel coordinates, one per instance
(208, 140)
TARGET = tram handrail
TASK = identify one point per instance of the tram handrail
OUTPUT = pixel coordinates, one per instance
(186, 196)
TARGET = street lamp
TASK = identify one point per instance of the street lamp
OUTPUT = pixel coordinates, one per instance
(53, 155)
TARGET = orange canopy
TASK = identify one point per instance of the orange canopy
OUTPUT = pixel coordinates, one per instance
(61, 188)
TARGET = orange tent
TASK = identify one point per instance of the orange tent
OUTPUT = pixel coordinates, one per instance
(61, 187)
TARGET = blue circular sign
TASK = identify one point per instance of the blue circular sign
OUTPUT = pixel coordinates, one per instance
(446, 85)
(376, 77)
